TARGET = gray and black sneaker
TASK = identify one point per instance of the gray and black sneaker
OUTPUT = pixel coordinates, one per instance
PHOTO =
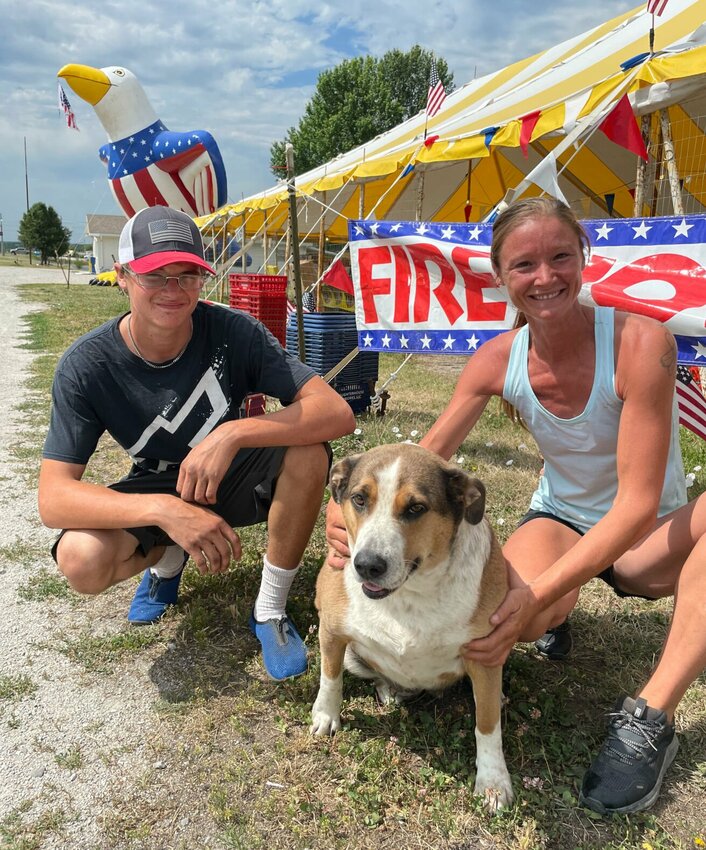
(555, 644)
(627, 773)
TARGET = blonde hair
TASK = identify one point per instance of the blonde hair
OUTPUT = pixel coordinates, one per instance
(509, 220)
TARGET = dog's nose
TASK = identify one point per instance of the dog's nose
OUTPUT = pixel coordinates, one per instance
(369, 565)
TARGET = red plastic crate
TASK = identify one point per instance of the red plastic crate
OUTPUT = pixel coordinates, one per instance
(264, 297)
(253, 405)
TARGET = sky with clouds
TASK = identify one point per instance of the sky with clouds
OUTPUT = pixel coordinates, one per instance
(241, 69)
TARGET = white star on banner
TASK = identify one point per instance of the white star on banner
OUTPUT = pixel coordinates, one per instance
(473, 342)
(358, 230)
(603, 231)
(367, 340)
(422, 229)
(395, 227)
(131, 139)
(386, 341)
(449, 341)
(642, 230)
(374, 227)
(475, 233)
(447, 232)
(700, 350)
(143, 142)
(403, 341)
(425, 341)
(682, 229)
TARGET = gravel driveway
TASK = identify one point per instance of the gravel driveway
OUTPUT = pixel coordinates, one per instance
(72, 742)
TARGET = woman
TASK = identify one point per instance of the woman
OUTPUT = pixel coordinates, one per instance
(595, 388)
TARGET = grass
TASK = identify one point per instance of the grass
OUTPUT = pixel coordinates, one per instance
(240, 760)
(15, 688)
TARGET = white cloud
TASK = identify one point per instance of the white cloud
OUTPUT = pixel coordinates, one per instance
(242, 70)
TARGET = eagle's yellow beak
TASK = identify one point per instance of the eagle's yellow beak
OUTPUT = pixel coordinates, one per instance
(91, 84)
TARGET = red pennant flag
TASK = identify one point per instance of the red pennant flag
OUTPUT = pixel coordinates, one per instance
(467, 211)
(529, 122)
(337, 277)
(621, 127)
(429, 141)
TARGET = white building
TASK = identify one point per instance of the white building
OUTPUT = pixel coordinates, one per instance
(105, 232)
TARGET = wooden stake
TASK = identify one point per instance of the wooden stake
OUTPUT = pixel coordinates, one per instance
(294, 245)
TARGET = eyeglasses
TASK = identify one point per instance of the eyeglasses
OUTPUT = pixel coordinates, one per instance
(189, 281)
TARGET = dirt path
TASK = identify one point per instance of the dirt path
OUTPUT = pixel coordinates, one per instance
(73, 742)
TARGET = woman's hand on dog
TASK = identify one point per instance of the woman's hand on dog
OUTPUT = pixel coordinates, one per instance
(510, 620)
(336, 537)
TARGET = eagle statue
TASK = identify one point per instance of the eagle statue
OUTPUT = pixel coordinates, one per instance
(148, 164)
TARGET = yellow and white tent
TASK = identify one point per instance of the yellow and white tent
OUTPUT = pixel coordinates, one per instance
(477, 157)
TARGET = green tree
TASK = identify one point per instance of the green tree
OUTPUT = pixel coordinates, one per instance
(356, 101)
(41, 228)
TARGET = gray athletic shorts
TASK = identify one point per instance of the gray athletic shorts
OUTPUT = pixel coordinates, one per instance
(244, 495)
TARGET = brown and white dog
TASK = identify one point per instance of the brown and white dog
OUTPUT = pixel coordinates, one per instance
(425, 574)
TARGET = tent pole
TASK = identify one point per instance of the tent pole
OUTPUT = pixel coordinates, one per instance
(294, 244)
(264, 244)
(671, 163)
(658, 173)
(321, 255)
(641, 176)
(361, 202)
(420, 196)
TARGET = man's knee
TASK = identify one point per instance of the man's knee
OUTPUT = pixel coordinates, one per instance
(308, 465)
(84, 562)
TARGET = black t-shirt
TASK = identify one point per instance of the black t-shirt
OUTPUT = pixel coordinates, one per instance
(159, 415)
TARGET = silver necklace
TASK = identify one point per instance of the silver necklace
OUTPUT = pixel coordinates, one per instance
(149, 362)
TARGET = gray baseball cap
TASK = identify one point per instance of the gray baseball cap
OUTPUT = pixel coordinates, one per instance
(157, 236)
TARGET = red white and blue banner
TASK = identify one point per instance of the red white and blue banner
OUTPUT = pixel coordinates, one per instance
(428, 287)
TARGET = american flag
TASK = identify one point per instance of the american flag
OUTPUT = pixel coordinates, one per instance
(437, 93)
(692, 403)
(656, 7)
(65, 107)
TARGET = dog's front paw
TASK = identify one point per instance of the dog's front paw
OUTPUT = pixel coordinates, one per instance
(496, 790)
(324, 724)
(325, 715)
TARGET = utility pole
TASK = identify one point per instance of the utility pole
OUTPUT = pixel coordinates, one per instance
(29, 247)
(2, 239)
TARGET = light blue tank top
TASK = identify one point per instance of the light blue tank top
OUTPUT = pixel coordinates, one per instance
(580, 478)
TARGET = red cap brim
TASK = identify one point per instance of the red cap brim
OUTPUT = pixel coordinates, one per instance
(152, 262)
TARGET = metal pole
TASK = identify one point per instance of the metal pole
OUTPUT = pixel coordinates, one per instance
(294, 230)
(671, 163)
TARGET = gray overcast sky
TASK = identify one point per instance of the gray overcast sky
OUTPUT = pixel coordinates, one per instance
(241, 69)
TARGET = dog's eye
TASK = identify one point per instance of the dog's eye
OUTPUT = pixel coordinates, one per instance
(415, 510)
(358, 500)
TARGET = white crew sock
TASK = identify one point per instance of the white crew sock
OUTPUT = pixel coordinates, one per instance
(271, 601)
(171, 563)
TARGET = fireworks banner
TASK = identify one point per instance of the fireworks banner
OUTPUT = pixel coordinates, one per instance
(428, 287)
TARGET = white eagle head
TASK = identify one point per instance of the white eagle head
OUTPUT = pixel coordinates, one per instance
(116, 95)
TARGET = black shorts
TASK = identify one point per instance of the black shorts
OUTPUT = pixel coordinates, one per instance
(244, 496)
(607, 575)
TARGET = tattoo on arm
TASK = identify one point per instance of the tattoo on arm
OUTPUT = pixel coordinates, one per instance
(669, 358)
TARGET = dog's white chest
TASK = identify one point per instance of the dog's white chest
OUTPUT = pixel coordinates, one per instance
(414, 636)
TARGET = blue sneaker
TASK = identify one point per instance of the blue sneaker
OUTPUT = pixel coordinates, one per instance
(154, 594)
(283, 651)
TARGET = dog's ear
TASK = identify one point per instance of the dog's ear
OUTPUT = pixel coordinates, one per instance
(340, 473)
(470, 492)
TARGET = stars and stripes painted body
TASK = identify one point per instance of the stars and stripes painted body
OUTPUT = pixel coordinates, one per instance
(156, 166)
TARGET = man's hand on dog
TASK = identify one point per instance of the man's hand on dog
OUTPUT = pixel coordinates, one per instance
(336, 537)
(510, 621)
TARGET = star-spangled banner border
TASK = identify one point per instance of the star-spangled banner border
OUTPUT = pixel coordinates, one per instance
(661, 234)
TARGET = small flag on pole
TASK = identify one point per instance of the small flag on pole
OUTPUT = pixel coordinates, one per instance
(437, 93)
(65, 107)
(656, 7)
(692, 402)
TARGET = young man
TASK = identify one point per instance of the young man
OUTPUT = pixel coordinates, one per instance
(166, 380)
